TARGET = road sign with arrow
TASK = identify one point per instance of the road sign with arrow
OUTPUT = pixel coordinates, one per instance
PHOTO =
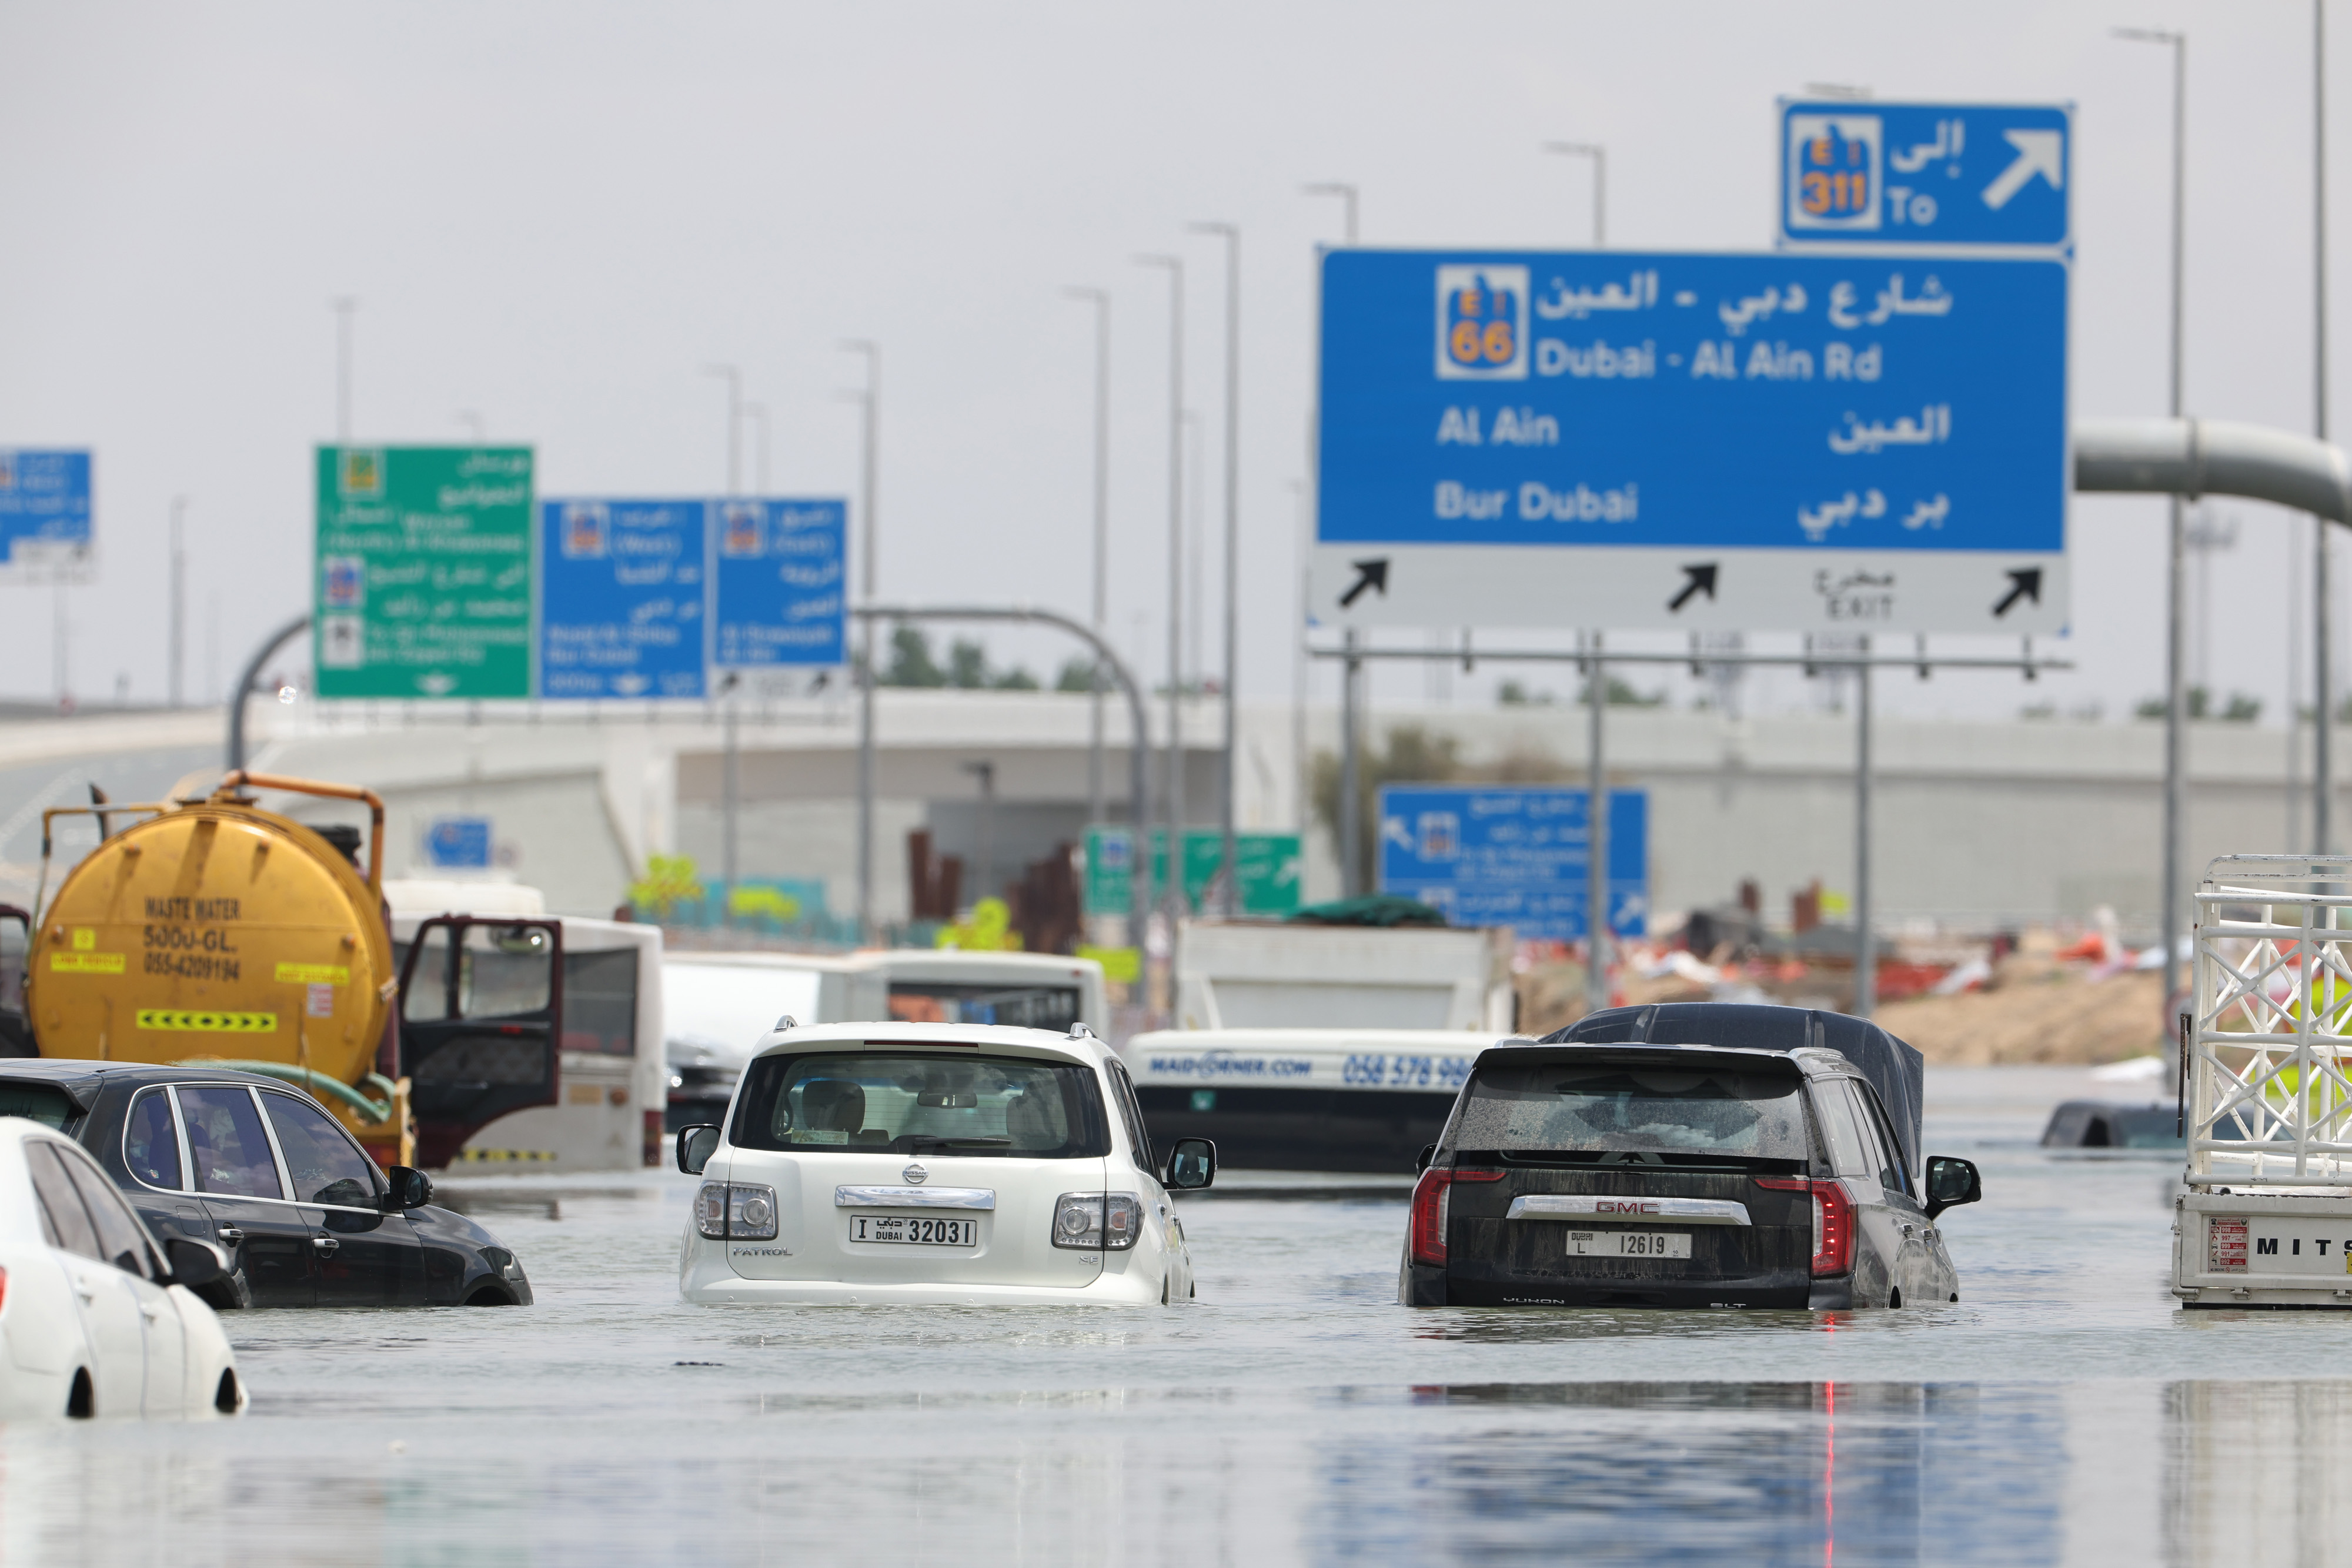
(1921, 174)
(1618, 441)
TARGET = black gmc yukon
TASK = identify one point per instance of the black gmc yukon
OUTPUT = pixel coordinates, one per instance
(1687, 1155)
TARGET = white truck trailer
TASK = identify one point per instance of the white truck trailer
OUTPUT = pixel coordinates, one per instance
(2266, 1220)
(1267, 974)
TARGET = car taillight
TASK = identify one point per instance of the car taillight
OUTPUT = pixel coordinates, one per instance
(1079, 1221)
(1431, 1201)
(735, 1209)
(1832, 1220)
(3, 1287)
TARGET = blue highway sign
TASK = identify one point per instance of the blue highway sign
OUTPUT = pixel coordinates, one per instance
(44, 513)
(1783, 441)
(781, 576)
(1515, 857)
(623, 603)
(1925, 175)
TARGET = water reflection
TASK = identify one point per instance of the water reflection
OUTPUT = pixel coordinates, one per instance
(2255, 1472)
(1817, 1472)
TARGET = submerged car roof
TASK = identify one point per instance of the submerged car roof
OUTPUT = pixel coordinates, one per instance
(1891, 1066)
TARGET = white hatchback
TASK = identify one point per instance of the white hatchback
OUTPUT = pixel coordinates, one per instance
(97, 1318)
(935, 1164)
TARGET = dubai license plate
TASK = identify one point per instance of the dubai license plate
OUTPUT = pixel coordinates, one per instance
(922, 1231)
(1615, 1243)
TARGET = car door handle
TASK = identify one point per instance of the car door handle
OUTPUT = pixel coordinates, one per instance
(326, 1245)
(231, 1234)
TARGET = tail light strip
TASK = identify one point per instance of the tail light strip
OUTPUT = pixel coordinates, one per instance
(1833, 1221)
(1432, 1199)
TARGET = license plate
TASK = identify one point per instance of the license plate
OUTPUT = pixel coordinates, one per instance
(923, 1230)
(1614, 1243)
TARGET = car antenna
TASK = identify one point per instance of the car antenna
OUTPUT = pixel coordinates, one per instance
(787, 1021)
(1078, 1031)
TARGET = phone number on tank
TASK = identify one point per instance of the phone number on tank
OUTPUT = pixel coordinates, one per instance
(1406, 1072)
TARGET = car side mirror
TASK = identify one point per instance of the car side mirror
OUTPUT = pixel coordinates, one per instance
(194, 1262)
(406, 1187)
(1191, 1164)
(1951, 1182)
(1428, 1153)
(696, 1144)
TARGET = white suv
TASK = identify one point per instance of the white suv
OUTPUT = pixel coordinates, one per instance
(935, 1164)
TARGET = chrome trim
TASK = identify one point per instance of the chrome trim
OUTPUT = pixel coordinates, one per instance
(269, 1131)
(914, 1197)
(179, 1134)
(1629, 1210)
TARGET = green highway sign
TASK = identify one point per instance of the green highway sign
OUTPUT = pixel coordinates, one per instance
(423, 585)
(1269, 868)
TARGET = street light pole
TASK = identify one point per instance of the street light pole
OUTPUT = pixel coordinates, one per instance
(1350, 829)
(179, 602)
(1100, 298)
(869, 477)
(346, 306)
(1225, 891)
(2175, 584)
(1174, 803)
(2322, 753)
(757, 412)
(1600, 156)
(734, 375)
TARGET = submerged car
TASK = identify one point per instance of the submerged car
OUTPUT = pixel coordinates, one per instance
(1687, 1155)
(98, 1318)
(919, 1163)
(260, 1168)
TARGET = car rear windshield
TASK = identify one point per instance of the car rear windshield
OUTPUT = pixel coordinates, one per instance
(922, 1103)
(1614, 1108)
(44, 1103)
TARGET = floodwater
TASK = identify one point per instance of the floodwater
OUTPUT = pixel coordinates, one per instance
(2064, 1411)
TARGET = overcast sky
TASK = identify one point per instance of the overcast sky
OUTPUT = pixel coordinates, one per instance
(555, 216)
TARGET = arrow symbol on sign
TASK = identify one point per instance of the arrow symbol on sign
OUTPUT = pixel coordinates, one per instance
(2039, 152)
(1369, 574)
(2025, 584)
(1702, 581)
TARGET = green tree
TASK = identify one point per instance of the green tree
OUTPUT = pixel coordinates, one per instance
(967, 664)
(1077, 676)
(911, 663)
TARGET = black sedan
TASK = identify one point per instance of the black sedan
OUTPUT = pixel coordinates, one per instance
(1688, 1155)
(259, 1167)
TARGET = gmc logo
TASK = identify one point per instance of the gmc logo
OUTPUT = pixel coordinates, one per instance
(1623, 1205)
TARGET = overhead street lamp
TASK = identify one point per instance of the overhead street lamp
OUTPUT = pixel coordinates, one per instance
(870, 400)
(2176, 573)
(1225, 890)
(1348, 821)
(1100, 299)
(757, 412)
(1342, 190)
(1600, 156)
(1174, 803)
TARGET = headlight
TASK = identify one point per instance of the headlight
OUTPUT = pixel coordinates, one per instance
(735, 1210)
(1079, 1221)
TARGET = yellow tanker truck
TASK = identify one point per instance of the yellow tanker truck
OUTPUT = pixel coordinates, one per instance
(212, 931)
